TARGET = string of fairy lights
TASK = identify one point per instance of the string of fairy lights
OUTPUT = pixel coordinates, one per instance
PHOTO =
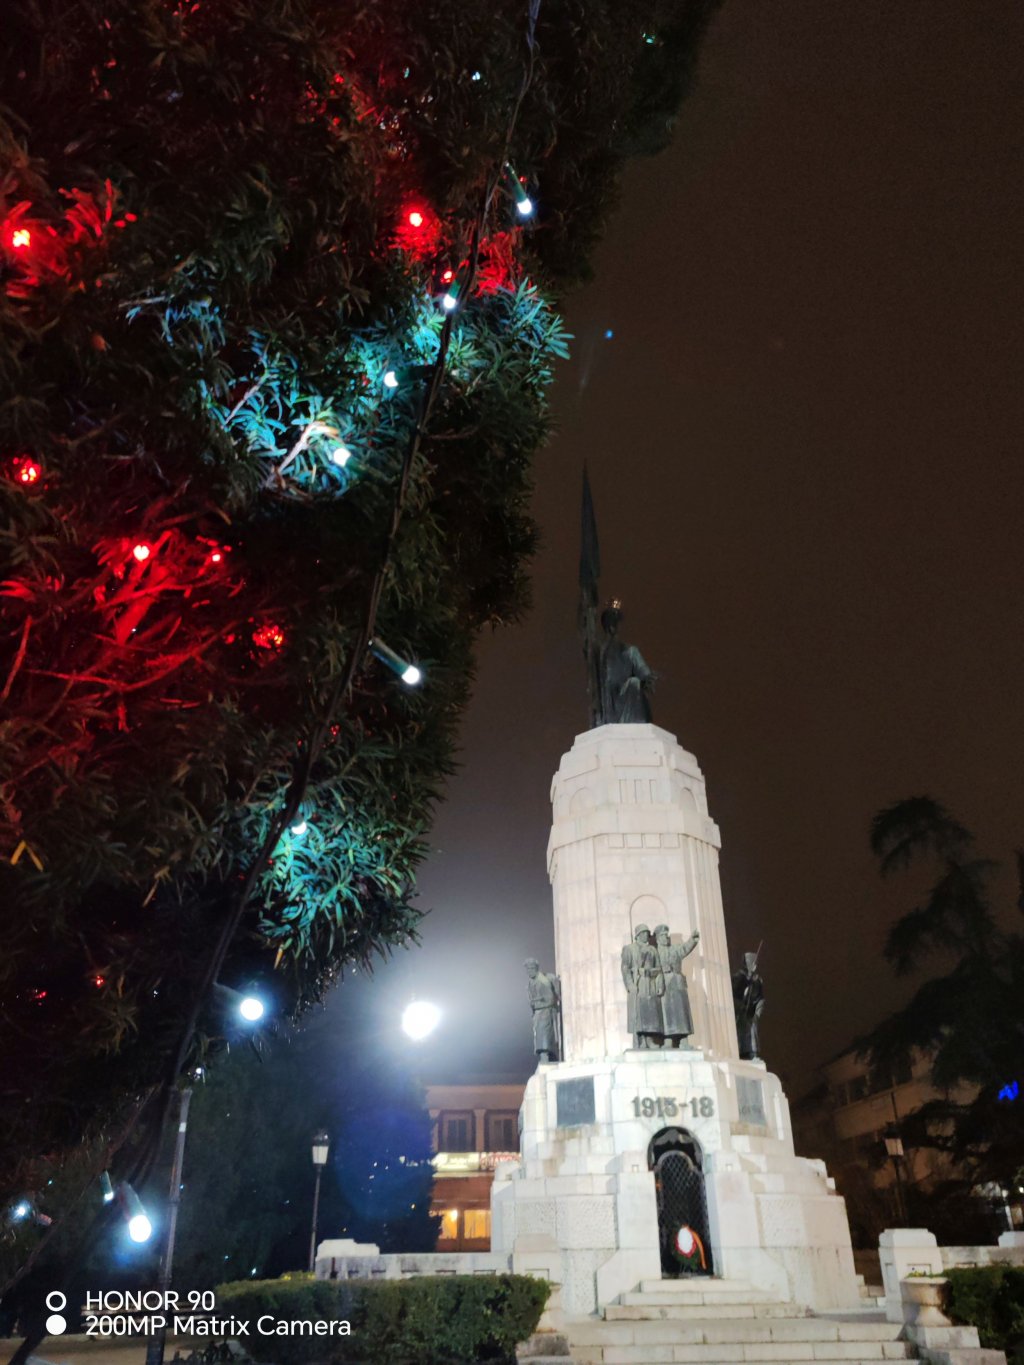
(31, 251)
(27, 471)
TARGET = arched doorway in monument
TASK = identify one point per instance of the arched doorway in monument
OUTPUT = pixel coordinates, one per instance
(676, 1158)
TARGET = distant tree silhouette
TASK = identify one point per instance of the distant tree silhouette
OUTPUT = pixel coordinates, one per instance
(969, 1020)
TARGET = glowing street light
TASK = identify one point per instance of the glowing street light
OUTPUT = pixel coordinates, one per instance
(238, 1004)
(419, 1019)
(140, 1229)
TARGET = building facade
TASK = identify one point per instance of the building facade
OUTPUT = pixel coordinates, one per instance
(854, 1120)
(475, 1127)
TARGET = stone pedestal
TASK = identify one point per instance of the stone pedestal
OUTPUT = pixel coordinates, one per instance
(632, 842)
(582, 1207)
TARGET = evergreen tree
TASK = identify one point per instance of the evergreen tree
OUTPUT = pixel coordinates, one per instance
(244, 439)
(248, 1197)
(968, 1020)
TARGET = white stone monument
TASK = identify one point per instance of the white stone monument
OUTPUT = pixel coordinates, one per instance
(632, 842)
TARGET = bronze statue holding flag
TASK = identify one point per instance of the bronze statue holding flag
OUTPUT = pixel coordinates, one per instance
(618, 680)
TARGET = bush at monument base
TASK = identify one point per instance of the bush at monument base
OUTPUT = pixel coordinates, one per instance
(990, 1298)
(432, 1320)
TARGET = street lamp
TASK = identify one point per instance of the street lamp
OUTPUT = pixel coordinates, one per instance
(140, 1228)
(894, 1149)
(321, 1143)
(243, 1007)
(419, 1019)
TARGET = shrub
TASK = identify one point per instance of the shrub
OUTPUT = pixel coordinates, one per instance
(432, 1320)
(991, 1298)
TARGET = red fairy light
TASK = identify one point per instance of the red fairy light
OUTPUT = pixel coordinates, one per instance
(26, 470)
(418, 230)
(447, 276)
(269, 636)
(99, 981)
(141, 551)
(216, 557)
(21, 238)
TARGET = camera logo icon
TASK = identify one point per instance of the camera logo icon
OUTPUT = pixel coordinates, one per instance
(56, 1323)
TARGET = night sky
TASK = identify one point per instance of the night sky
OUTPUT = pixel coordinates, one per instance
(804, 441)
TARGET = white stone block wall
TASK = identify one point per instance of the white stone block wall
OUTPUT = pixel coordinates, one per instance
(903, 1252)
(587, 1193)
(632, 842)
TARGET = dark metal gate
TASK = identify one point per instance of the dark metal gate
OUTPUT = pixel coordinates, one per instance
(682, 1215)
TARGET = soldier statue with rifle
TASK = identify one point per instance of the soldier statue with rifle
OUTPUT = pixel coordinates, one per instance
(748, 998)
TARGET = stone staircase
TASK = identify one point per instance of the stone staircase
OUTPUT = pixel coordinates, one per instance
(715, 1322)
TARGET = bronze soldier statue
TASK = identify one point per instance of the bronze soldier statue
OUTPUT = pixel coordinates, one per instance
(619, 682)
(625, 679)
(545, 995)
(645, 986)
(748, 997)
(677, 1020)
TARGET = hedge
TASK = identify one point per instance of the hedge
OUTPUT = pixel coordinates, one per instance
(430, 1320)
(991, 1298)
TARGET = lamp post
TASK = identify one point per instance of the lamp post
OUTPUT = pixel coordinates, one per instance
(250, 1009)
(894, 1148)
(155, 1344)
(321, 1143)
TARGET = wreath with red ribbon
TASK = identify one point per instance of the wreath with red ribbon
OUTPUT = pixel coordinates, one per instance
(689, 1249)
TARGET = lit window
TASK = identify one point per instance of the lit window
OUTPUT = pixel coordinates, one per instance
(449, 1231)
(476, 1223)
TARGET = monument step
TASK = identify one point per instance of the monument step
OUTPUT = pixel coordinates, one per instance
(693, 1331)
(675, 1347)
(706, 1288)
(726, 1355)
(736, 1341)
(665, 1305)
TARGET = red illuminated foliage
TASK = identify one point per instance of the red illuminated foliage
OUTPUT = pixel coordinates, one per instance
(57, 241)
(499, 267)
(268, 636)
